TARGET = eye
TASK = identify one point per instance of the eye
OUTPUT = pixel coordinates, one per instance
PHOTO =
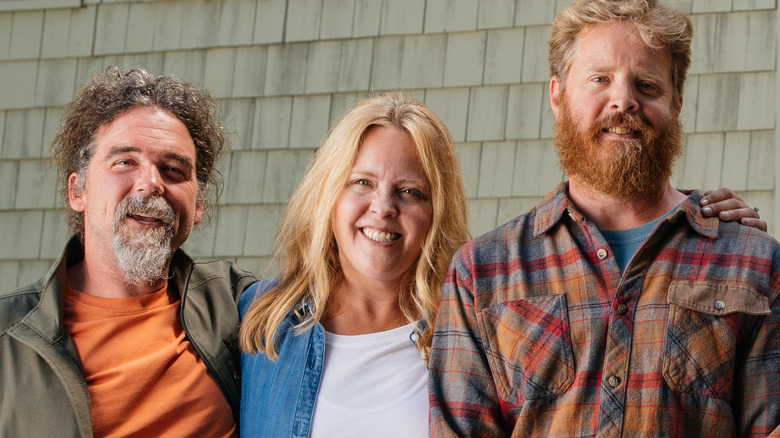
(599, 79)
(173, 169)
(174, 172)
(412, 193)
(360, 185)
(123, 163)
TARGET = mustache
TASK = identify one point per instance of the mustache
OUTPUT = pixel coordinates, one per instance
(626, 120)
(150, 206)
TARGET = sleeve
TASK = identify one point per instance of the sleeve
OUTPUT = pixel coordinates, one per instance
(758, 380)
(254, 291)
(462, 395)
(241, 281)
(247, 298)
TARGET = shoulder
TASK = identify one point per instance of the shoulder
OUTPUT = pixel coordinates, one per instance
(735, 232)
(16, 304)
(255, 291)
(740, 256)
(220, 273)
(219, 269)
(754, 248)
(499, 242)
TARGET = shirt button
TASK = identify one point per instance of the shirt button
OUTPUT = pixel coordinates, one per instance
(720, 305)
(613, 381)
(622, 309)
(601, 254)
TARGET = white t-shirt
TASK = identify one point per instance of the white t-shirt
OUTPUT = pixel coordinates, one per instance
(372, 385)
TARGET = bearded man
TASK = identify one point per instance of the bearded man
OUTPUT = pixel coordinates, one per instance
(614, 307)
(126, 335)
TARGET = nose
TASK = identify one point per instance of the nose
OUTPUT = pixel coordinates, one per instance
(149, 181)
(623, 98)
(384, 204)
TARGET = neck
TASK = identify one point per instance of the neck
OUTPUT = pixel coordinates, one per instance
(353, 310)
(101, 276)
(622, 214)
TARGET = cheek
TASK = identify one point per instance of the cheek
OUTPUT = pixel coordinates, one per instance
(420, 222)
(341, 219)
(349, 207)
(586, 116)
(661, 115)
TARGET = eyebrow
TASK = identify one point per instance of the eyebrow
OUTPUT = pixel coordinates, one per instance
(417, 181)
(600, 68)
(119, 150)
(181, 159)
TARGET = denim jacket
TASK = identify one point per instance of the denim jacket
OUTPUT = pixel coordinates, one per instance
(277, 398)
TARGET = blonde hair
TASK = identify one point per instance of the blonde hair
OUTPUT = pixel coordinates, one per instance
(308, 247)
(660, 26)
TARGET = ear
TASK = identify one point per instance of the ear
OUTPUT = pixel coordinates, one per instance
(75, 193)
(679, 103)
(198, 213)
(555, 91)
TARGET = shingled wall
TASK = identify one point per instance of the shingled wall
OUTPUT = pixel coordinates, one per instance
(283, 71)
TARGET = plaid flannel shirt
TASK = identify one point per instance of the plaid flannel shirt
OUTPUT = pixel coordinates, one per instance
(539, 334)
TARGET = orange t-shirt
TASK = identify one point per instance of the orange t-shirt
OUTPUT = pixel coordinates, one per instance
(143, 375)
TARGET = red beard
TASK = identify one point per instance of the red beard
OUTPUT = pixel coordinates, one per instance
(626, 169)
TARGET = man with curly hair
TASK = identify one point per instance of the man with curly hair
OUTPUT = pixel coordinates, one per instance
(126, 335)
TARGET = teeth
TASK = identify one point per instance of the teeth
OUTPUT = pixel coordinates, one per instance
(145, 219)
(380, 236)
(619, 130)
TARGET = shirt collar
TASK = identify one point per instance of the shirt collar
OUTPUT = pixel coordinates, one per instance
(556, 205)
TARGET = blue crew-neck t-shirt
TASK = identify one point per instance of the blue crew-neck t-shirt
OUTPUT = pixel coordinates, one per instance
(625, 243)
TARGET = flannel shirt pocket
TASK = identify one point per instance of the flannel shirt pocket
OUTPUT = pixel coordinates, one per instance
(528, 346)
(702, 335)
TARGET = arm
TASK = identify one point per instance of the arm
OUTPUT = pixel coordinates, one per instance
(757, 369)
(758, 381)
(728, 206)
(462, 394)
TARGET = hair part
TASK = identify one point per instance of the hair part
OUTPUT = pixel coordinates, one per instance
(307, 244)
(114, 92)
(659, 25)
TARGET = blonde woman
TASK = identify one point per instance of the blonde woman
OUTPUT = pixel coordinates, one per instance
(337, 345)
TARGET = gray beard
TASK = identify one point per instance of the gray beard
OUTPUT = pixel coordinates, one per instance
(143, 254)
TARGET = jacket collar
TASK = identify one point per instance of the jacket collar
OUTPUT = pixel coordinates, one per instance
(556, 205)
(179, 270)
(46, 317)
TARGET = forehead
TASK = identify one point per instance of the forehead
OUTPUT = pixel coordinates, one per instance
(389, 146)
(618, 45)
(146, 130)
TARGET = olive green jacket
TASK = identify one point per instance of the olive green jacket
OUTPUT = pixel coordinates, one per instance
(43, 392)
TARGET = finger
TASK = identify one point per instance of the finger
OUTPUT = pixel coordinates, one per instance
(722, 194)
(755, 223)
(729, 204)
(738, 214)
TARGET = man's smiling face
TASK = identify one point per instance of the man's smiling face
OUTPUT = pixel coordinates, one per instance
(140, 188)
(617, 127)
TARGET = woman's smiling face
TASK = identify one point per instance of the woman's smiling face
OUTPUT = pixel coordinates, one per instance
(383, 215)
